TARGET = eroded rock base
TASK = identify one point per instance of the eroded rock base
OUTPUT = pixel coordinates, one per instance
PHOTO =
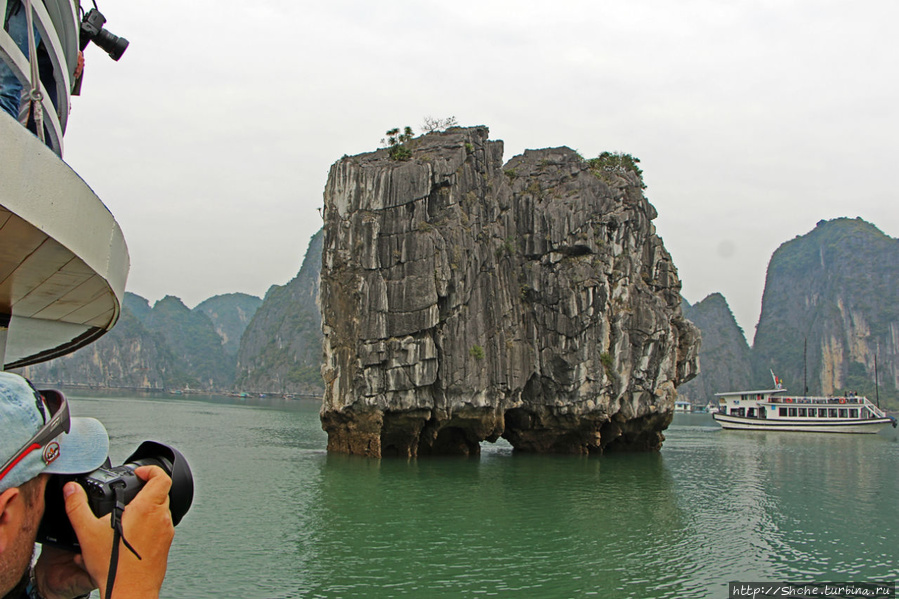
(419, 433)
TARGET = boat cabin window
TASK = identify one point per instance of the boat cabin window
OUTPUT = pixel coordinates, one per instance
(782, 412)
(832, 412)
(802, 412)
(844, 413)
(822, 412)
(751, 413)
(792, 411)
(853, 413)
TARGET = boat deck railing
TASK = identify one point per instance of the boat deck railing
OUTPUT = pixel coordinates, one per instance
(818, 400)
(57, 22)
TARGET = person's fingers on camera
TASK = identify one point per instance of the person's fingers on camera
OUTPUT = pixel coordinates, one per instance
(77, 509)
(147, 523)
(149, 511)
(158, 482)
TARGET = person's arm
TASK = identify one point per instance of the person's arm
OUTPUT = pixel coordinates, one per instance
(147, 525)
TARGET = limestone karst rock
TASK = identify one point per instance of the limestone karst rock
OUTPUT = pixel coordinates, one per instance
(280, 351)
(464, 300)
(725, 355)
(835, 290)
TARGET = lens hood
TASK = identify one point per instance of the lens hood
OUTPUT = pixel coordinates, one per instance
(151, 453)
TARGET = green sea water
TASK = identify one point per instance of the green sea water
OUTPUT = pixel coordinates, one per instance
(276, 517)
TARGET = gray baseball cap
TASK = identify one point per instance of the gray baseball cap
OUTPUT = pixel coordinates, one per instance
(38, 435)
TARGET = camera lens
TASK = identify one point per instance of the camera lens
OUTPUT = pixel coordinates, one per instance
(114, 45)
(173, 463)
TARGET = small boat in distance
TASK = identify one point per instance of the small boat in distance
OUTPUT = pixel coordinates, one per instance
(774, 410)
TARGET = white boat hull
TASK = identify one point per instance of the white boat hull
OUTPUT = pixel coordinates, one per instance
(866, 426)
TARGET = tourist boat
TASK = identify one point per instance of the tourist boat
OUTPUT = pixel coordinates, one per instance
(63, 258)
(775, 410)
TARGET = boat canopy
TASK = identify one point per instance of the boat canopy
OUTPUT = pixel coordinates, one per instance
(757, 392)
(63, 258)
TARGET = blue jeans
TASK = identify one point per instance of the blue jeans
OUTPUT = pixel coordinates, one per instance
(10, 86)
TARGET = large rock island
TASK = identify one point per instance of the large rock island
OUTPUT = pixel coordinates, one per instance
(463, 300)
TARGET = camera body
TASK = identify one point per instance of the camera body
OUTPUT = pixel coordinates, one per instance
(92, 31)
(102, 484)
(91, 26)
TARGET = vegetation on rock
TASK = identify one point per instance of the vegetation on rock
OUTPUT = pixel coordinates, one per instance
(431, 124)
(396, 143)
(617, 163)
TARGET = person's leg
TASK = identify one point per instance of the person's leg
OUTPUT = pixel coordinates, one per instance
(10, 86)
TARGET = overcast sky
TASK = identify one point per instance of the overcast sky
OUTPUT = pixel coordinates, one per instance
(211, 140)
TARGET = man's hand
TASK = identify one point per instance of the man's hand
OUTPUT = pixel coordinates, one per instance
(147, 525)
(79, 67)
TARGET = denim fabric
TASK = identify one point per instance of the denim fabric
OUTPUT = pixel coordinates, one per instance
(10, 86)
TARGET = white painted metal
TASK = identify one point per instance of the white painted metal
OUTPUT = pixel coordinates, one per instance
(63, 258)
(801, 426)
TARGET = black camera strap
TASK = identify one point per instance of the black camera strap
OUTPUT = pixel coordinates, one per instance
(115, 521)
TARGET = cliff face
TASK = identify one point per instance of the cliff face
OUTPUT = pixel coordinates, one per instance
(281, 349)
(128, 356)
(463, 301)
(230, 315)
(164, 347)
(835, 287)
(191, 336)
(724, 357)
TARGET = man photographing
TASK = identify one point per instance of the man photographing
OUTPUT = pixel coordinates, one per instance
(39, 438)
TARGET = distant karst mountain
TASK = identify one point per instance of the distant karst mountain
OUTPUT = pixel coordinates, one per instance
(167, 346)
(230, 314)
(836, 288)
(724, 356)
(281, 350)
(829, 312)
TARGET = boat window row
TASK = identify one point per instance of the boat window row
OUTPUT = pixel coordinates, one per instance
(746, 412)
(818, 412)
(796, 412)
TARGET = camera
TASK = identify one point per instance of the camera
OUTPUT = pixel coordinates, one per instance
(101, 486)
(92, 31)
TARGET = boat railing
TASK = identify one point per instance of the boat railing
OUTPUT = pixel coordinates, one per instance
(829, 401)
(57, 23)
